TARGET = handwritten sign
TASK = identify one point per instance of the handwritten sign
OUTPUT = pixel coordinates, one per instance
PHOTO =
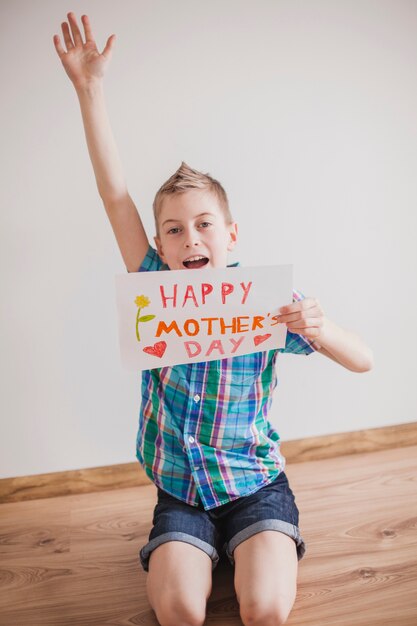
(185, 316)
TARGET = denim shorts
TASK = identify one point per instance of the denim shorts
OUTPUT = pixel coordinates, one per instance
(220, 529)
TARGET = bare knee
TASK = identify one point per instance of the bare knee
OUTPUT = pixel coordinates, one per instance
(176, 595)
(177, 610)
(259, 614)
(177, 613)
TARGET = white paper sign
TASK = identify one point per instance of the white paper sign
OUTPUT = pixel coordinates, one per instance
(186, 316)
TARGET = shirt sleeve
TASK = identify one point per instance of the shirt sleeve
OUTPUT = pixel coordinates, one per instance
(295, 343)
(152, 262)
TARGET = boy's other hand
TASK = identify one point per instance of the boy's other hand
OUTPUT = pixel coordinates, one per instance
(82, 61)
(304, 317)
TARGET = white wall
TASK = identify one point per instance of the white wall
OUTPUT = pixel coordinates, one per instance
(305, 111)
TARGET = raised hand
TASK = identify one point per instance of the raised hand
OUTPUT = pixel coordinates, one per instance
(82, 61)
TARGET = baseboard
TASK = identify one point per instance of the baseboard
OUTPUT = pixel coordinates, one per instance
(132, 474)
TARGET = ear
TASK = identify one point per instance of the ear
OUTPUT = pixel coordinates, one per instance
(233, 236)
(159, 248)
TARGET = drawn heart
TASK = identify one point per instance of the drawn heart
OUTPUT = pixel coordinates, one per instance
(260, 338)
(156, 350)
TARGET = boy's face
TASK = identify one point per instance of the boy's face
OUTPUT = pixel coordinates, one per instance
(192, 224)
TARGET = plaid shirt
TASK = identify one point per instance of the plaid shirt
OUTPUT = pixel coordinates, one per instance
(203, 430)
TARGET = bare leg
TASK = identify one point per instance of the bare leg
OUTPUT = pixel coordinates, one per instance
(266, 569)
(179, 583)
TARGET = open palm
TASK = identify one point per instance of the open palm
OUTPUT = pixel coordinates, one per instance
(82, 61)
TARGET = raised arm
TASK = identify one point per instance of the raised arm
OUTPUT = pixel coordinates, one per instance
(85, 67)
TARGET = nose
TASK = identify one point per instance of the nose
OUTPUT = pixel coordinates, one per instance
(192, 239)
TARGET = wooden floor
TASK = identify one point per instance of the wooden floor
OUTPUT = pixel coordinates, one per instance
(73, 560)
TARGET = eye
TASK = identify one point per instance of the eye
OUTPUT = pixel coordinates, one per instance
(172, 229)
(206, 223)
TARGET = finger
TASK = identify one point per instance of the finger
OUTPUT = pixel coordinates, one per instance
(300, 305)
(311, 322)
(78, 40)
(109, 47)
(299, 315)
(67, 37)
(307, 332)
(87, 28)
(57, 42)
(309, 335)
(289, 317)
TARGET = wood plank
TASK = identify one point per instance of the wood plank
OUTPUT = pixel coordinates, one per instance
(359, 441)
(73, 560)
(89, 480)
(96, 479)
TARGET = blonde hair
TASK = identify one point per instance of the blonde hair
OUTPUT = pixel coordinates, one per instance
(184, 179)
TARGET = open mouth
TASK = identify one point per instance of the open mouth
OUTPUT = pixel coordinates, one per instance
(195, 262)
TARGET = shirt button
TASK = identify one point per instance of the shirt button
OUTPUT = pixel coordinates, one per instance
(191, 439)
(196, 398)
(197, 468)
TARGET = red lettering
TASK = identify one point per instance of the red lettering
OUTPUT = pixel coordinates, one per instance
(165, 298)
(245, 291)
(227, 288)
(216, 344)
(235, 343)
(206, 288)
(189, 294)
(188, 345)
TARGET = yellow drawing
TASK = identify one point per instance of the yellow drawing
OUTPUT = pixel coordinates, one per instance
(141, 302)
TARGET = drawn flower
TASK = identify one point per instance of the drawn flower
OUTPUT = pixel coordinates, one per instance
(141, 302)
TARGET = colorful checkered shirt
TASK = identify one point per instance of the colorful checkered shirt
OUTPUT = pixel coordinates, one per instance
(204, 434)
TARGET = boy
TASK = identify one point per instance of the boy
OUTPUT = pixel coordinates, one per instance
(204, 438)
